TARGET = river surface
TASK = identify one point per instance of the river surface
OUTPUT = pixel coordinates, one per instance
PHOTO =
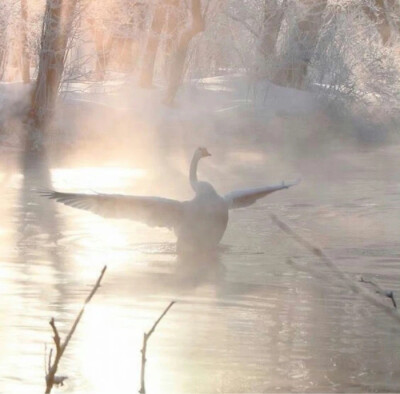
(245, 321)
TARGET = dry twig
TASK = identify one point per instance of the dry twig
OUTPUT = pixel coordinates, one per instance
(379, 290)
(354, 286)
(146, 337)
(51, 377)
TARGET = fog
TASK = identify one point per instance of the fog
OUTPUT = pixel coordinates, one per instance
(124, 98)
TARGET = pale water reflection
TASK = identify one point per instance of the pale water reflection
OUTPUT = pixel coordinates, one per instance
(245, 320)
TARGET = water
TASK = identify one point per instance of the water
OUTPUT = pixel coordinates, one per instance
(245, 319)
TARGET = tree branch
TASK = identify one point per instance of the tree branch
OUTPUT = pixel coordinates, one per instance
(146, 337)
(56, 337)
(382, 292)
(354, 286)
(243, 22)
(51, 378)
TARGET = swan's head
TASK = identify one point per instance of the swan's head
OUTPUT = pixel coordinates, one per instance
(202, 152)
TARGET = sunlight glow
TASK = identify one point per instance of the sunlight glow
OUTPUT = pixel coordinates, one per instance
(110, 350)
(94, 177)
(103, 241)
(109, 361)
(247, 156)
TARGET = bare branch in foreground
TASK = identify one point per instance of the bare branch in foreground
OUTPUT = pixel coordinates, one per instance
(51, 378)
(379, 290)
(50, 359)
(146, 337)
(316, 274)
(354, 286)
(307, 269)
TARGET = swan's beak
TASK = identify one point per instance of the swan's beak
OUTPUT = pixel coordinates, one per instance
(207, 153)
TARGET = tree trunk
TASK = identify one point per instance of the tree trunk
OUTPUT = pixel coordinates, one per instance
(153, 41)
(178, 62)
(25, 60)
(57, 25)
(3, 59)
(379, 16)
(172, 34)
(103, 43)
(306, 35)
(273, 16)
(266, 43)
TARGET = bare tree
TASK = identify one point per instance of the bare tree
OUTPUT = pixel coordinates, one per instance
(57, 26)
(273, 16)
(303, 41)
(178, 61)
(378, 13)
(172, 30)
(153, 42)
(103, 42)
(4, 39)
(25, 60)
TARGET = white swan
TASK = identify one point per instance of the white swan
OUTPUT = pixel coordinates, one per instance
(198, 224)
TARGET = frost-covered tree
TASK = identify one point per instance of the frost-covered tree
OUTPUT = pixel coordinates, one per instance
(161, 9)
(345, 49)
(57, 27)
(178, 58)
(25, 59)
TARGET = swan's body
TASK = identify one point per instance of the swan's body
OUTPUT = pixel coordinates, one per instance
(204, 221)
(198, 224)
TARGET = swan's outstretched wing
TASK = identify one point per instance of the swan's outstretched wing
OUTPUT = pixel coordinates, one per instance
(154, 211)
(246, 197)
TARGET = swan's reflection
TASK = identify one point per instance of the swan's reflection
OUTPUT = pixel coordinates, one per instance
(172, 276)
(200, 267)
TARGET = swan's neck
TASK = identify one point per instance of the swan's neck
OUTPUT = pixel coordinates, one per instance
(193, 171)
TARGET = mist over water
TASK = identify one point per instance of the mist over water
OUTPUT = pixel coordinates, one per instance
(274, 93)
(245, 319)
(114, 97)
